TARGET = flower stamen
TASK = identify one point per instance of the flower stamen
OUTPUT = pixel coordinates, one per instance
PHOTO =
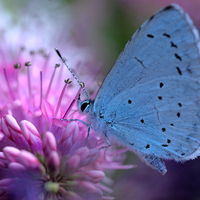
(32, 53)
(28, 64)
(72, 103)
(51, 81)
(17, 66)
(67, 81)
(40, 106)
(8, 84)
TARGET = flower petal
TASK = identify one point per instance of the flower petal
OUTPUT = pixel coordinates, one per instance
(32, 136)
(12, 130)
(71, 130)
(11, 153)
(72, 164)
(53, 161)
(73, 196)
(92, 156)
(16, 167)
(94, 176)
(82, 152)
(29, 161)
(5, 183)
(49, 143)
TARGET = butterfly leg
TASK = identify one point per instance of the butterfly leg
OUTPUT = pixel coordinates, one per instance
(105, 147)
(79, 120)
(88, 135)
(107, 141)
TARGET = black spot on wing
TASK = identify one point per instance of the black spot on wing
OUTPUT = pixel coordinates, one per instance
(161, 85)
(179, 71)
(150, 36)
(177, 56)
(167, 35)
(168, 141)
(148, 146)
(129, 101)
(173, 45)
(151, 17)
(168, 7)
(163, 129)
(139, 29)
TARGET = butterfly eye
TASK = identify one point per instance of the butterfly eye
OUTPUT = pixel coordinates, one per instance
(85, 105)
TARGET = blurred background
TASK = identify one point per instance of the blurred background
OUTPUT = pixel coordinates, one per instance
(104, 26)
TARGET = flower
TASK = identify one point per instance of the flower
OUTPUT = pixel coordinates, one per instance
(38, 159)
(45, 169)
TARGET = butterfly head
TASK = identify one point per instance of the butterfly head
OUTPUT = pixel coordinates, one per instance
(85, 106)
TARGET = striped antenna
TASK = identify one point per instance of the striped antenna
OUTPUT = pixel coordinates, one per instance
(79, 82)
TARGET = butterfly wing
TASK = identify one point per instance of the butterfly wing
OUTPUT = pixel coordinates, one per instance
(168, 127)
(150, 54)
(150, 99)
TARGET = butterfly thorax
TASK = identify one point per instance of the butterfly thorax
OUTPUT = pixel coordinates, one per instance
(95, 118)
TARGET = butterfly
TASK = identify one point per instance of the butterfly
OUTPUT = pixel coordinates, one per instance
(150, 99)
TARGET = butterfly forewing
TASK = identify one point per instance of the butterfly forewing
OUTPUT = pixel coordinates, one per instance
(165, 45)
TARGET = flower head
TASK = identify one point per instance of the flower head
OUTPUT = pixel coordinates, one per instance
(46, 168)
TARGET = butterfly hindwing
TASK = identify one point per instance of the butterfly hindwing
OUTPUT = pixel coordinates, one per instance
(160, 123)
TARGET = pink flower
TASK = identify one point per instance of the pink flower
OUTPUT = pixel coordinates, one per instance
(38, 159)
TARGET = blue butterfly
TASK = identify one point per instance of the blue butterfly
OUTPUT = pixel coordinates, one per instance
(150, 99)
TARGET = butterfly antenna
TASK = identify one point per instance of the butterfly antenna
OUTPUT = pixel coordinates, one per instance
(79, 82)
